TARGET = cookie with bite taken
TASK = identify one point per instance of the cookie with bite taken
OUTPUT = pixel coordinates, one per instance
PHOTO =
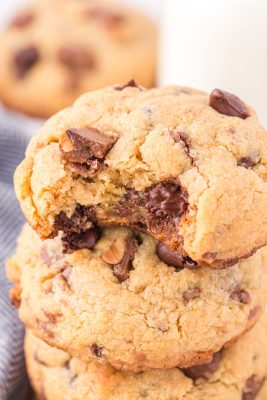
(186, 167)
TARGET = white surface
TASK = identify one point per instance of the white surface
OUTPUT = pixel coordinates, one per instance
(217, 43)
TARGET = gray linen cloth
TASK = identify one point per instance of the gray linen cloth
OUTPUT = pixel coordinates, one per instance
(14, 134)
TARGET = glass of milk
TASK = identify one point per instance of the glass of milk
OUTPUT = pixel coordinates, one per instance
(217, 44)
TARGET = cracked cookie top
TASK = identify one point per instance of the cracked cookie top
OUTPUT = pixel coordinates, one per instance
(238, 372)
(55, 50)
(186, 167)
(126, 302)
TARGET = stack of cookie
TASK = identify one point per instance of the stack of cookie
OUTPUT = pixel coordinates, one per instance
(145, 273)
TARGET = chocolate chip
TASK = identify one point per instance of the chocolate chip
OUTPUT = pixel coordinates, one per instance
(174, 259)
(121, 270)
(131, 83)
(191, 294)
(85, 149)
(107, 17)
(247, 162)
(205, 370)
(22, 20)
(24, 60)
(240, 295)
(76, 56)
(166, 200)
(156, 210)
(79, 230)
(252, 388)
(97, 143)
(76, 241)
(228, 104)
(81, 220)
(96, 350)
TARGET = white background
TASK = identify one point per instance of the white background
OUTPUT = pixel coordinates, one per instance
(217, 43)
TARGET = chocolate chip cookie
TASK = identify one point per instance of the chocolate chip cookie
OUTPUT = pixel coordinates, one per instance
(55, 50)
(186, 167)
(237, 372)
(124, 302)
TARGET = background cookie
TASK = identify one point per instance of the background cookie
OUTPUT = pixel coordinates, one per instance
(58, 49)
(166, 161)
(235, 373)
(120, 303)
